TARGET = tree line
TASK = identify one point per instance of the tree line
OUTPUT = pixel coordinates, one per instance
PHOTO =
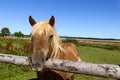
(6, 32)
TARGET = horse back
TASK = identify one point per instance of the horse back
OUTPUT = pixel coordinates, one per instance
(70, 52)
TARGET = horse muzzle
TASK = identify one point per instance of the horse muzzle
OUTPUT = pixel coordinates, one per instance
(37, 62)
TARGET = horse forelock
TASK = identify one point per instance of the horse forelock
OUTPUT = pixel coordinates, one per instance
(42, 30)
(55, 45)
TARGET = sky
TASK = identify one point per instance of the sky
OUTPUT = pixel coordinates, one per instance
(76, 18)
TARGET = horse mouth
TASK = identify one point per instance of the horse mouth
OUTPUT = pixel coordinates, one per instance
(38, 69)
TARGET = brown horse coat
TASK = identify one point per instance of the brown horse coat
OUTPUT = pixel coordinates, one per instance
(46, 44)
(70, 53)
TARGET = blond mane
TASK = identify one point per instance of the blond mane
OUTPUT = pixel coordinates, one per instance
(43, 29)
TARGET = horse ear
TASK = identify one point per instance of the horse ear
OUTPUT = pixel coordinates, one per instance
(52, 21)
(31, 20)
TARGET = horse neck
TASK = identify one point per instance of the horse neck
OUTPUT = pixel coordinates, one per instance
(55, 49)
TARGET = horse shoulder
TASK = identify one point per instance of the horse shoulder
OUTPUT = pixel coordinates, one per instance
(70, 51)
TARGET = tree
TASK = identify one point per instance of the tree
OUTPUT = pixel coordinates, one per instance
(5, 31)
(18, 34)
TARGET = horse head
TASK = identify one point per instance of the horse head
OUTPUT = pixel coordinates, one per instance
(41, 40)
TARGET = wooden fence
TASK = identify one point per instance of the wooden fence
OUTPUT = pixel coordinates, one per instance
(101, 70)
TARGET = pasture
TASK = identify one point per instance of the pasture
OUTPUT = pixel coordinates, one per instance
(22, 47)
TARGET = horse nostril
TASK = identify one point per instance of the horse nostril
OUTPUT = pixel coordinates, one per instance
(36, 67)
(42, 59)
(37, 61)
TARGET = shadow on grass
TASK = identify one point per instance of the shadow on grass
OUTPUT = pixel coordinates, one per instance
(33, 79)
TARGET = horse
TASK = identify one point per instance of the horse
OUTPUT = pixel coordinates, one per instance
(47, 44)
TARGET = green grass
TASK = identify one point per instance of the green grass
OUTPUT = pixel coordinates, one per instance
(24, 76)
(12, 72)
(97, 55)
(20, 47)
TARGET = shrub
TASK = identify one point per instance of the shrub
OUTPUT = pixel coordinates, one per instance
(18, 34)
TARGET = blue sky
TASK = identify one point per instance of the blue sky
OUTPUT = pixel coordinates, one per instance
(78, 18)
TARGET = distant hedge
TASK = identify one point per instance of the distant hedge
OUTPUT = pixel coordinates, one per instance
(99, 44)
(71, 41)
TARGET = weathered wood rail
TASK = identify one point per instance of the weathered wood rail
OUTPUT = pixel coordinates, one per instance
(101, 70)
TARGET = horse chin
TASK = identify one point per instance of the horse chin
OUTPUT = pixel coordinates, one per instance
(39, 69)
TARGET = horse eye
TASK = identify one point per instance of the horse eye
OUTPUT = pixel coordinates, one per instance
(51, 36)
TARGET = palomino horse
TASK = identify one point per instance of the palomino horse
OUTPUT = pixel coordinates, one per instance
(46, 44)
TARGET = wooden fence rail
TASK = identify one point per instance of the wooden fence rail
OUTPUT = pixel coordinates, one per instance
(101, 70)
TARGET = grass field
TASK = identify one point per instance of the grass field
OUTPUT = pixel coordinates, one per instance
(97, 55)
(18, 47)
